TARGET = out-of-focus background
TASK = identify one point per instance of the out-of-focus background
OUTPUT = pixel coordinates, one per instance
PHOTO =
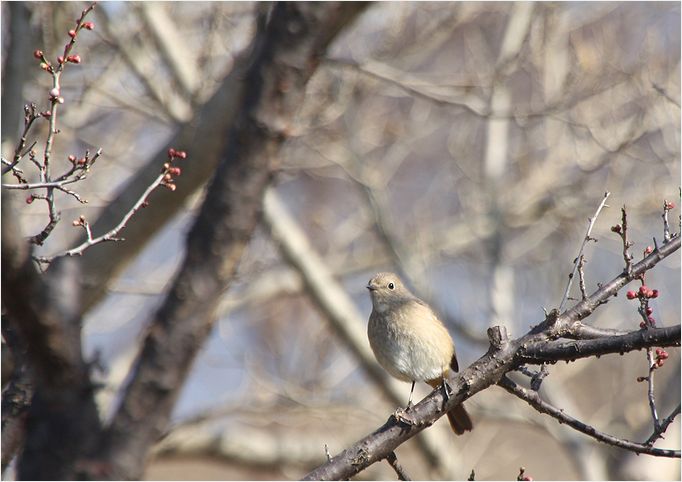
(463, 145)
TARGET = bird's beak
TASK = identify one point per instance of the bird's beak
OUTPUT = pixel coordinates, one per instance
(370, 287)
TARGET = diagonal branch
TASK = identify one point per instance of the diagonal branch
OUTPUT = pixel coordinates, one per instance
(579, 258)
(534, 400)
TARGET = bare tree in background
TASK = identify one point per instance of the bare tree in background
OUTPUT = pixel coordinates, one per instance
(463, 145)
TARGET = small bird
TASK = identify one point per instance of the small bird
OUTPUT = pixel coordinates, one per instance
(410, 342)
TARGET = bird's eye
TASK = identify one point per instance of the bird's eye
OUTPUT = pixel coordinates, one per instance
(391, 286)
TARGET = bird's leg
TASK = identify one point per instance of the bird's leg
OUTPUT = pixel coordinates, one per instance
(409, 400)
(401, 413)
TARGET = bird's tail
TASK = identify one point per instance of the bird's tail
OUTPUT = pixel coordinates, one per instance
(459, 420)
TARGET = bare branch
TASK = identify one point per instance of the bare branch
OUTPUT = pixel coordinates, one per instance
(578, 258)
(112, 234)
(393, 462)
(622, 231)
(663, 426)
(547, 351)
(534, 400)
(651, 364)
(667, 206)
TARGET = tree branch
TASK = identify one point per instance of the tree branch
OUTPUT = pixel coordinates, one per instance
(534, 400)
(579, 258)
(544, 351)
(502, 357)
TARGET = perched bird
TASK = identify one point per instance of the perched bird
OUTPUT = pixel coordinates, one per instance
(410, 342)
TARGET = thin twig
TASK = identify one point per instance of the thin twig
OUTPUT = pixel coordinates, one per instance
(581, 277)
(55, 100)
(650, 390)
(393, 461)
(29, 117)
(58, 185)
(111, 235)
(667, 206)
(622, 231)
(663, 426)
(534, 400)
(587, 238)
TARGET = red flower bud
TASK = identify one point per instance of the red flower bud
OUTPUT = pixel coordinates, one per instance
(47, 114)
(171, 152)
(74, 59)
(616, 228)
(54, 93)
(72, 33)
(652, 320)
(172, 187)
(72, 158)
(663, 355)
(46, 67)
(669, 205)
(181, 154)
(38, 54)
(60, 59)
(88, 25)
(653, 294)
(648, 250)
(175, 171)
(631, 295)
(649, 310)
(643, 290)
(29, 199)
(642, 325)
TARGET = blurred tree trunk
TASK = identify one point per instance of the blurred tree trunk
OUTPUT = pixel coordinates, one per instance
(63, 424)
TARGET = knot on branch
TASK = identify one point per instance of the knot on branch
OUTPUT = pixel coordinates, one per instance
(551, 317)
(498, 337)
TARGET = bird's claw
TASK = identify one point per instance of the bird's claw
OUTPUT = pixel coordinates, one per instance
(447, 390)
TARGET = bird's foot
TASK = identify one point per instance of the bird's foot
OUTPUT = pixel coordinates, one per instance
(447, 391)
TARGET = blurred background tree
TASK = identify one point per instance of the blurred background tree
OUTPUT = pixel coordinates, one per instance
(463, 145)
